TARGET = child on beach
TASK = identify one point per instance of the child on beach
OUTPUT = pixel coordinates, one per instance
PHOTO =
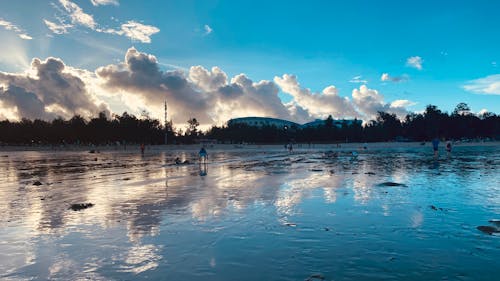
(448, 147)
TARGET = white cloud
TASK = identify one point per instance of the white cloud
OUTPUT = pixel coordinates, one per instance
(104, 2)
(208, 29)
(396, 79)
(51, 88)
(47, 90)
(60, 28)
(358, 79)
(138, 31)
(415, 62)
(483, 111)
(318, 105)
(77, 15)
(402, 103)
(10, 26)
(489, 85)
(370, 102)
(131, 29)
(207, 95)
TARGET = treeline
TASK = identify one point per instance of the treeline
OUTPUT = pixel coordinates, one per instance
(460, 124)
(127, 128)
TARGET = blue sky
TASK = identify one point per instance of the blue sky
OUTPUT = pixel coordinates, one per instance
(342, 43)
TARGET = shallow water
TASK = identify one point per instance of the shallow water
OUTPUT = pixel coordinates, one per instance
(250, 215)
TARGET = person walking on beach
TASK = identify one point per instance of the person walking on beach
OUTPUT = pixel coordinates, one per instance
(203, 155)
(142, 148)
(448, 147)
(435, 145)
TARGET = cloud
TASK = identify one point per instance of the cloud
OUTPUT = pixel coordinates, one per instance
(415, 62)
(489, 85)
(402, 103)
(50, 88)
(47, 90)
(208, 29)
(138, 31)
(10, 26)
(396, 79)
(207, 95)
(77, 15)
(60, 28)
(104, 2)
(318, 105)
(131, 29)
(357, 79)
(370, 102)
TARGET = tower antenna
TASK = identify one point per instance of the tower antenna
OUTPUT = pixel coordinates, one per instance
(166, 122)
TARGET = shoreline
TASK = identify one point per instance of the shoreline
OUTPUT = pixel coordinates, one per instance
(239, 147)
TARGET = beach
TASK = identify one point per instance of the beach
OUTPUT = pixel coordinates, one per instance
(253, 212)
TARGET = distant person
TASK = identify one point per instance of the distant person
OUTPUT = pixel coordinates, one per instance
(435, 146)
(290, 147)
(178, 161)
(448, 147)
(203, 154)
(142, 148)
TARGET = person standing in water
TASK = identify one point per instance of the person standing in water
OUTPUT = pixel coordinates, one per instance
(203, 155)
(435, 146)
(448, 147)
(142, 148)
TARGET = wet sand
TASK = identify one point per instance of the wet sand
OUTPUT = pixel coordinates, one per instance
(251, 213)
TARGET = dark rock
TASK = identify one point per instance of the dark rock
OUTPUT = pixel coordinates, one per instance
(5, 156)
(92, 151)
(327, 229)
(315, 277)
(390, 183)
(317, 170)
(436, 208)
(126, 179)
(488, 229)
(370, 173)
(81, 206)
(495, 222)
(37, 183)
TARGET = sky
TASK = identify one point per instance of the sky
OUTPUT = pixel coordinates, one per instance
(216, 60)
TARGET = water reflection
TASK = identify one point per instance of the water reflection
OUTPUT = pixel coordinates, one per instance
(147, 208)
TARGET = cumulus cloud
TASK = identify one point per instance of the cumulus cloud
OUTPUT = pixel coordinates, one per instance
(208, 29)
(49, 89)
(104, 2)
(57, 28)
(206, 95)
(10, 26)
(415, 62)
(77, 15)
(358, 79)
(396, 79)
(370, 102)
(489, 85)
(318, 105)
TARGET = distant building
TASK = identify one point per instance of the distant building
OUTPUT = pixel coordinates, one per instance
(262, 121)
(280, 123)
(337, 123)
